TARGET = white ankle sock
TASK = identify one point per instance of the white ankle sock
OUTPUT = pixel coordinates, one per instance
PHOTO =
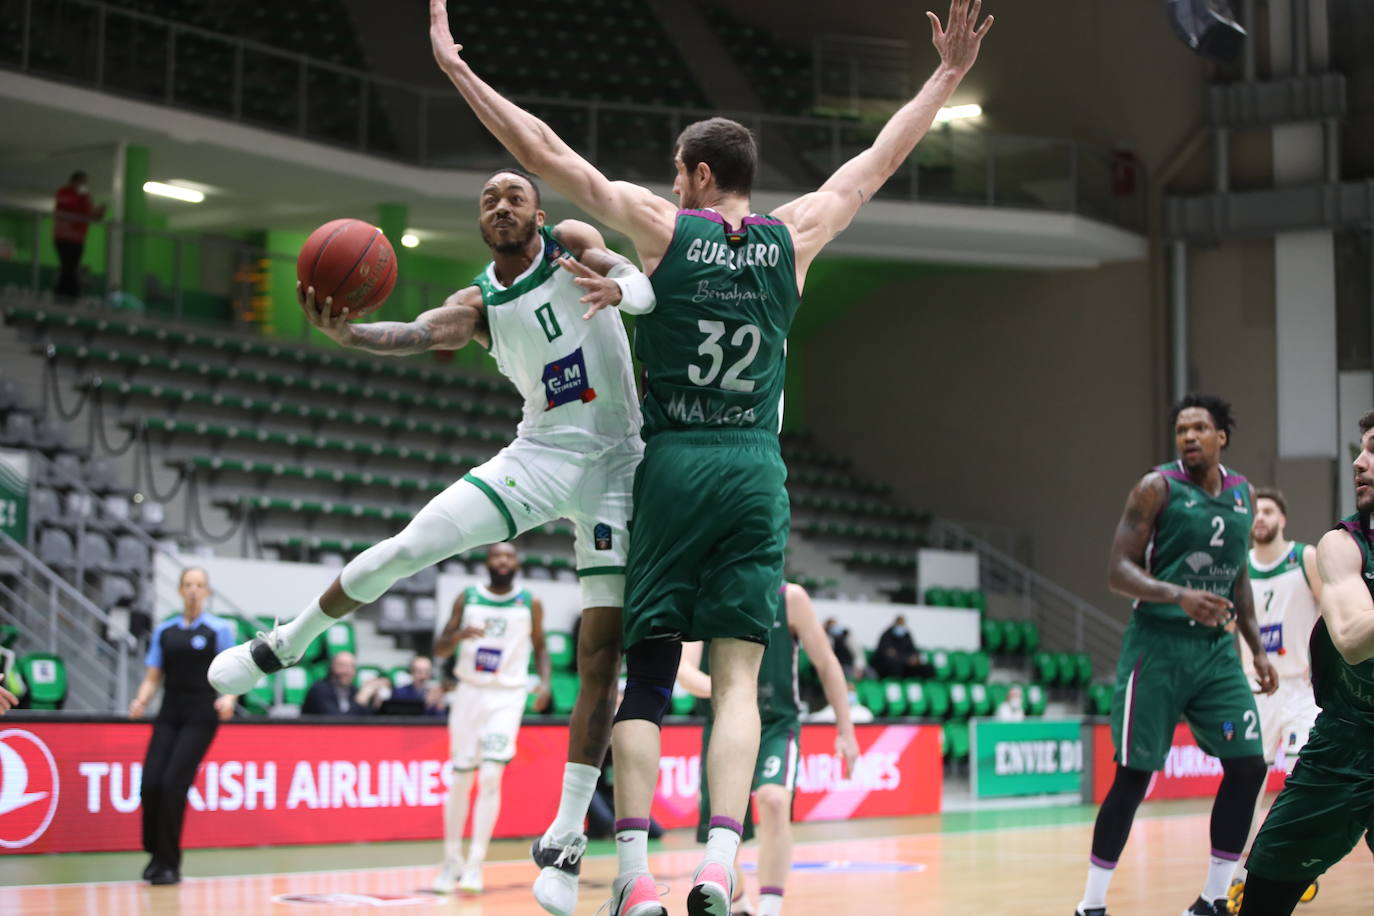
(1219, 872)
(579, 784)
(301, 631)
(770, 904)
(1095, 894)
(722, 843)
(632, 846)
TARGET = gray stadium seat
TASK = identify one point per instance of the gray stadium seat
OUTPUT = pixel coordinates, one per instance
(395, 609)
(78, 505)
(9, 394)
(55, 547)
(426, 608)
(115, 506)
(43, 504)
(116, 590)
(130, 553)
(95, 550)
(151, 514)
(18, 429)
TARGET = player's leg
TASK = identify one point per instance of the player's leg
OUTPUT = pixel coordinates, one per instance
(154, 797)
(1144, 711)
(1274, 726)
(499, 734)
(1222, 715)
(188, 749)
(465, 717)
(601, 514)
(774, 779)
(470, 513)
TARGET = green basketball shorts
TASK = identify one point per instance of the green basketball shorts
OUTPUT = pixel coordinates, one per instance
(1168, 672)
(1325, 806)
(707, 543)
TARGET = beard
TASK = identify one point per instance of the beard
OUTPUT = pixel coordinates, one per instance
(525, 233)
(501, 579)
(1267, 537)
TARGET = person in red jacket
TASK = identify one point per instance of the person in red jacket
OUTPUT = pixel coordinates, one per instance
(69, 234)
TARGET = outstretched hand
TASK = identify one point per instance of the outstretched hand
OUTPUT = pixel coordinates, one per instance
(440, 38)
(602, 292)
(959, 41)
(322, 314)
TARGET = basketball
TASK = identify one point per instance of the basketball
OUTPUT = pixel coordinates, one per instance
(351, 261)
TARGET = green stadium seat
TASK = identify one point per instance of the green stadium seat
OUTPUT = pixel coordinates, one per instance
(684, 704)
(1013, 637)
(980, 700)
(46, 676)
(1045, 667)
(1030, 635)
(262, 696)
(1067, 668)
(1036, 700)
(956, 741)
(295, 684)
(895, 696)
(340, 638)
(917, 704)
(960, 666)
(959, 702)
(941, 664)
(367, 673)
(1084, 663)
(997, 693)
(978, 600)
(1099, 699)
(564, 688)
(937, 597)
(872, 696)
(993, 635)
(938, 695)
(981, 666)
(560, 648)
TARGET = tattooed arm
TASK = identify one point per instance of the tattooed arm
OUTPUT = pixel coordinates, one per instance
(451, 326)
(1126, 572)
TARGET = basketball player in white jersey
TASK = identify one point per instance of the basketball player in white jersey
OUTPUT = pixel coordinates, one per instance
(574, 456)
(492, 628)
(1283, 577)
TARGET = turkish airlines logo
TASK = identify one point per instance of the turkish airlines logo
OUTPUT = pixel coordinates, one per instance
(28, 788)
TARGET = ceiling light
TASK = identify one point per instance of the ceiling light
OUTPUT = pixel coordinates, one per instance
(958, 113)
(410, 240)
(189, 195)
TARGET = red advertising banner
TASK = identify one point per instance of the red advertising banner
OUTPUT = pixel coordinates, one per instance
(1189, 771)
(74, 786)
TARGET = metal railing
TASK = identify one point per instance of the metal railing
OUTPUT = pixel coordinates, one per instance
(1066, 621)
(53, 616)
(155, 59)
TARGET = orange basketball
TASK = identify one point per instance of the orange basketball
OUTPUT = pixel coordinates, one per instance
(351, 261)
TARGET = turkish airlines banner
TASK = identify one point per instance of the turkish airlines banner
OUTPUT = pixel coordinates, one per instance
(74, 786)
(1189, 771)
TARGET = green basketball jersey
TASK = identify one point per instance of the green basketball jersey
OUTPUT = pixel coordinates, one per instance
(1200, 541)
(778, 694)
(1343, 690)
(715, 345)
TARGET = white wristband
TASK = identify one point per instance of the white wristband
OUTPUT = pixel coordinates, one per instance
(636, 292)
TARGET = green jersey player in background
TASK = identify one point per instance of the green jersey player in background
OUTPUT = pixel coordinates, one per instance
(711, 510)
(1328, 801)
(574, 454)
(1180, 551)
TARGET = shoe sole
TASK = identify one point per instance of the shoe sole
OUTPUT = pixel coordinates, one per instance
(708, 900)
(547, 906)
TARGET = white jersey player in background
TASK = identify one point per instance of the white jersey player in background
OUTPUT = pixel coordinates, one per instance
(574, 456)
(1283, 577)
(493, 629)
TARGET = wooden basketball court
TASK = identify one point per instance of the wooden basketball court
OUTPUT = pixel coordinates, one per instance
(1025, 862)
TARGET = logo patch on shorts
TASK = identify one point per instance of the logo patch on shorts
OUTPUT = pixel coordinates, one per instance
(1272, 637)
(602, 535)
(1228, 730)
(488, 659)
(565, 381)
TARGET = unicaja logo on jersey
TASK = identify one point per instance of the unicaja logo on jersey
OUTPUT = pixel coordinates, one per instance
(28, 788)
(1199, 561)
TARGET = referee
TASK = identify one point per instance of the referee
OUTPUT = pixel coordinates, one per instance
(179, 657)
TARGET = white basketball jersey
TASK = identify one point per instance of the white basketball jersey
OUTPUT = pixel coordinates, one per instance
(501, 656)
(1286, 613)
(575, 375)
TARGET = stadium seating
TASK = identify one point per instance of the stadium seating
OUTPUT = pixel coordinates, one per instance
(564, 689)
(956, 741)
(340, 638)
(780, 74)
(562, 652)
(46, 676)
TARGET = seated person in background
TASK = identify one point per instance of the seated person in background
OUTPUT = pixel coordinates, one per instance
(844, 652)
(336, 696)
(897, 655)
(422, 688)
(1013, 708)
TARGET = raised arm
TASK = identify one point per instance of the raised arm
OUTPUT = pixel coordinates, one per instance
(1345, 603)
(1126, 573)
(607, 278)
(1248, 627)
(636, 211)
(801, 617)
(816, 218)
(690, 677)
(451, 326)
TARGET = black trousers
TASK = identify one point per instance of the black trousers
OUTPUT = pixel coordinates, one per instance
(69, 280)
(182, 733)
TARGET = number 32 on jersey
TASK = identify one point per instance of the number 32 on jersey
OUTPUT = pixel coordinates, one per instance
(745, 336)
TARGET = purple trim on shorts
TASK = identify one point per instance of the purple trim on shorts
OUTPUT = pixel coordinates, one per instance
(1228, 856)
(632, 823)
(729, 823)
(1101, 863)
(770, 891)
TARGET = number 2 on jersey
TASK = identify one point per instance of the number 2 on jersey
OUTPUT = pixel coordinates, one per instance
(711, 348)
(1218, 528)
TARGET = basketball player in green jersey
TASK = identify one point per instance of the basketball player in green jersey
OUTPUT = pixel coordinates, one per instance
(1328, 801)
(775, 771)
(1180, 551)
(711, 511)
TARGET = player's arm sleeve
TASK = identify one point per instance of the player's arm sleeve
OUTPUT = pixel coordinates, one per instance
(1346, 604)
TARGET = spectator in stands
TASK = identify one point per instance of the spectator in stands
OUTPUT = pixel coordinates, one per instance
(178, 660)
(897, 655)
(336, 696)
(74, 213)
(1013, 708)
(844, 651)
(422, 688)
